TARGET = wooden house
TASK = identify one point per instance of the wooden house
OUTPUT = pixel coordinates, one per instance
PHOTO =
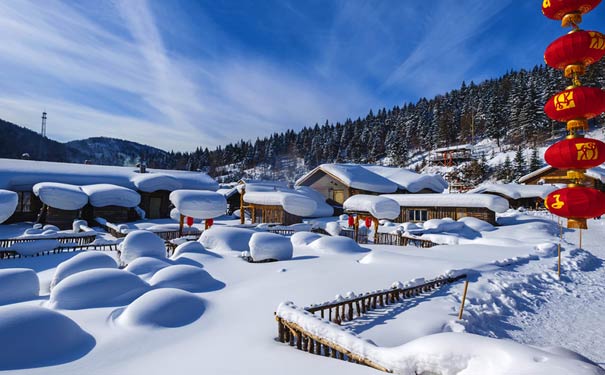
(423, 207)
(152, 186)
(338, 182)
(595, 177)
(528, 196)
(450, 156)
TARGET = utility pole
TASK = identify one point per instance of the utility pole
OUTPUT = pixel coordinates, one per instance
(43, 130)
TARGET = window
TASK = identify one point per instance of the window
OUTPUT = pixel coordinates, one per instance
(417, 215)
(25, 201)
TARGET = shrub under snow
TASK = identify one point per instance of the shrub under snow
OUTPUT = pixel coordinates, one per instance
(166, 307)
(34, 336)
(186, 277)
(142, 243)
(84, 261)
(18, 284)
(97, 288)
(265, 246)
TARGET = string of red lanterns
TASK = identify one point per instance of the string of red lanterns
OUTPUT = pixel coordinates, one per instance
(572, 53)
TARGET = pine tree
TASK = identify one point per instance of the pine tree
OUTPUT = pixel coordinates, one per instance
(534, 161)
(519, 167)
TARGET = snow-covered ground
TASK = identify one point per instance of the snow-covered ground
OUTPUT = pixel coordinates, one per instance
(226, 324)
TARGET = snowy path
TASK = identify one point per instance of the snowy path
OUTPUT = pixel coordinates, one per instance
(527, 303)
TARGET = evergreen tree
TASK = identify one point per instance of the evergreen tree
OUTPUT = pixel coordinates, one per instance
(534, 161)
(519, 167)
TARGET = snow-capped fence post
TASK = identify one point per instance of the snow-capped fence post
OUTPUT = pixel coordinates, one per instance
(181, 222)
(463, 300)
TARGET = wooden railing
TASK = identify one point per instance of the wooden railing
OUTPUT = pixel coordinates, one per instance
(362, 238)
(347, 310)
(283, 232)
(10, 254)
(80, 240)
(403, 240)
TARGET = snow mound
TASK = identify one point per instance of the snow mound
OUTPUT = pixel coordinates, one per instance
(61, 196)
(293, 203)
(84, 261)
(97, 288)
(476, 224)
(34, 247)
(199, 204)
(443, 225)
(33, 336)
(379, 207)
(102, 195)
(18, 284)
(333, 228)
(226, 238)
(302, 240)
(146, 265)
(8, 204)
(336, 245)
(166, 307)
(186, 277)
(491, 202)
(546, 249)
(142, 243)
(192, 247)
(150, 182)
(265, 246)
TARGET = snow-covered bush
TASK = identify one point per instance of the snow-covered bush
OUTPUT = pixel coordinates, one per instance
(166, 307)
(97, 288)
(265, 246)
(186, 277)
(84, 261)
(18, 284)
(34, 336)
(140, 243)
(226, 238)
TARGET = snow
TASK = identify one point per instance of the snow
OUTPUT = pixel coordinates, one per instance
(166, 307)
(302, 240)
(335, 245)
(22, 175)
(35, 247)
(517, 191)
(34, 336)
(100, 287)
(226, 238)
(377, 206)
(18, 284)
(264, 246)
(189, 247)
(102, 195)
(492, 202)
(186, 277)
(142, 243)
(8, 204)
(295, 204)
(199, 204)
(146, 266)
(410, 180)
(475, 224)
(83, 261)
(61, 196)
(150, 182)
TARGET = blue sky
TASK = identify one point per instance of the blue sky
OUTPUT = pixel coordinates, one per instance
(181, 74)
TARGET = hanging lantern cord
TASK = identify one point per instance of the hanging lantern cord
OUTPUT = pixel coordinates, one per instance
(572, 19)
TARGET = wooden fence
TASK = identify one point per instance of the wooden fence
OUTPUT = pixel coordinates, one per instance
(348, 310)
(10, 254)
(283, 232)
(80, 240)
(389, 239)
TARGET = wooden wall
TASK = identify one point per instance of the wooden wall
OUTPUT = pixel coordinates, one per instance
(22, 213)
(61, 218)
(145, 204)
(451, 212)
(272, 214)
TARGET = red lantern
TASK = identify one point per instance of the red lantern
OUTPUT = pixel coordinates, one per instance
(557, 9)
(189, 221)
(351, 221)
(576, 103)
(577, 204)
(368, 222)
(209, 222)
(576, 153)
(576, 48)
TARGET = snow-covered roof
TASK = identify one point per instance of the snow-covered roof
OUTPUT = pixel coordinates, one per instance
(227, 192)
(454, 148)
(199, 204)
(303, 201)
(61, 196)
(517, 191)
(378, 206)
(22, 175)
(8, 204)
(598, 173)
(491, 202)
(102, 195)
(410, 180)
(378, 179)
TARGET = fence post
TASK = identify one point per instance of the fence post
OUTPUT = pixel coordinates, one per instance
(463, 299)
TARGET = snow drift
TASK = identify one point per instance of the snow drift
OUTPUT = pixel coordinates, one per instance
(265, 246)
(18, 284)
(33, 336)
(139, 243)
(165, 307)
(146, 265)
(226, 238)
(186, 277)
(84, 261)
(97, 288)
